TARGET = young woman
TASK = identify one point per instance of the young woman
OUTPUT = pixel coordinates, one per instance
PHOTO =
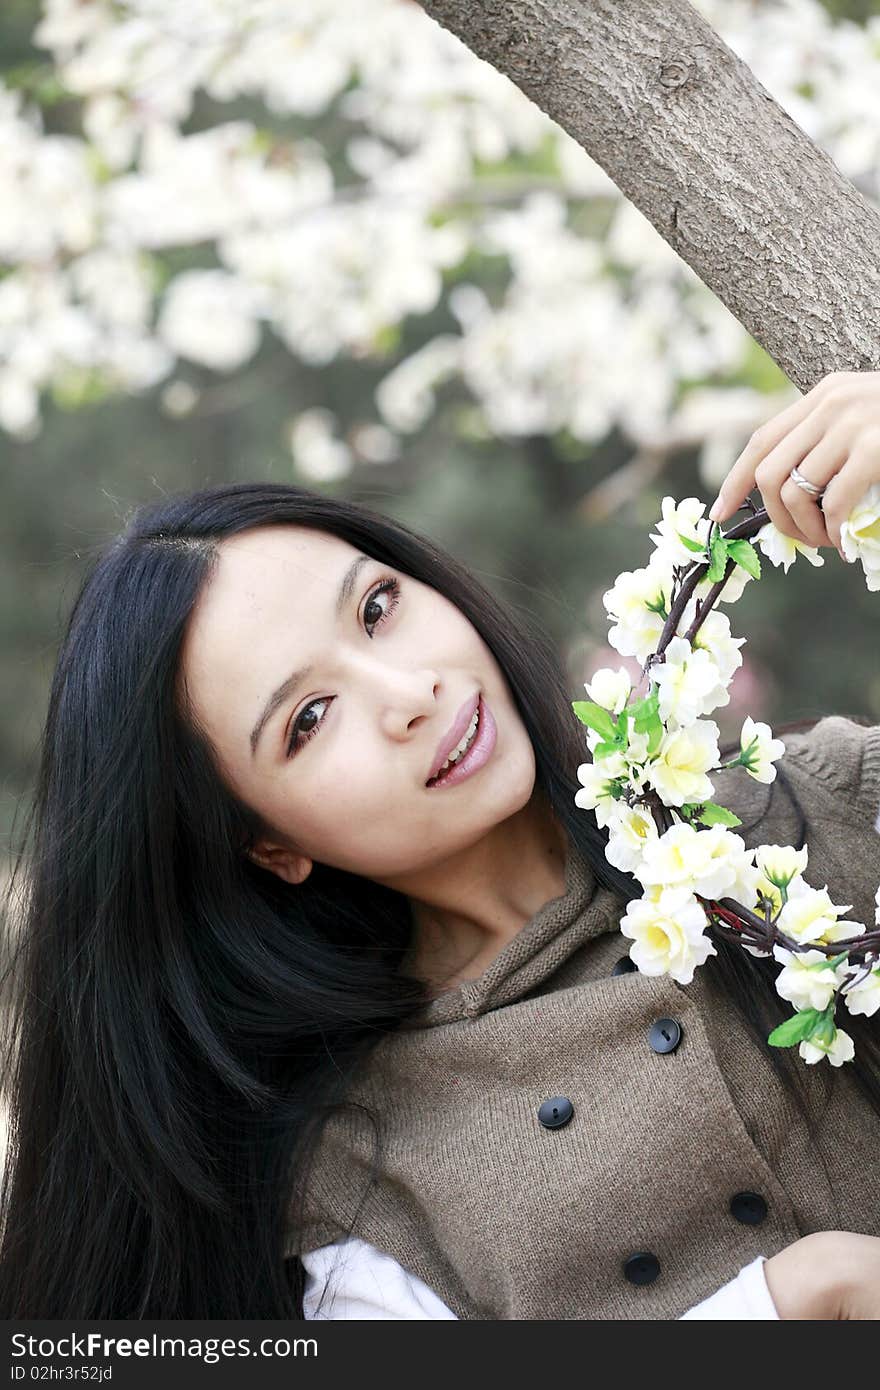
(298, 997)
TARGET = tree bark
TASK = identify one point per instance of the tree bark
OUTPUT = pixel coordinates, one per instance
(690, 136)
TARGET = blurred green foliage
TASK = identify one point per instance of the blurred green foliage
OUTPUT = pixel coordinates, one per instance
(518, 512)
(859, 10)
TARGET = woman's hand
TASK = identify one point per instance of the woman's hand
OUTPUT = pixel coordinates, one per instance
(832, 1276)
(832, 436)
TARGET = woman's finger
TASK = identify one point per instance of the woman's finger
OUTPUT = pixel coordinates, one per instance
(818, 466)
(848, 487)
(806, 513)
(774, 470)
(741, 479)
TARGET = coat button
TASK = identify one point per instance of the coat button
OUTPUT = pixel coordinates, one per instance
(555, 1112)
(748, 1207)
(664, 1034)
(642, 1268)
(624, 966)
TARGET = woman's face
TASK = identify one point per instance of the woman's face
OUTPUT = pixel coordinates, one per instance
(339, 763)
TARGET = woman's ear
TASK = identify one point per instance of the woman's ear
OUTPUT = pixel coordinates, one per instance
(288, 864)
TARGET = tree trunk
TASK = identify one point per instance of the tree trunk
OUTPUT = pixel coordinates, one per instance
(689, 135)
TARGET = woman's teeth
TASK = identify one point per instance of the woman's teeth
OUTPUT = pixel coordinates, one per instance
(459, 752)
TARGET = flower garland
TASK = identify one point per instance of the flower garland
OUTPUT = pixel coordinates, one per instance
(648, 783)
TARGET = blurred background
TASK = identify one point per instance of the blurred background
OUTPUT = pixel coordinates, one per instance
(318, 241)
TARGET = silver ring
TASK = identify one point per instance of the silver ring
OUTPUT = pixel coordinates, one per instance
(805, 484)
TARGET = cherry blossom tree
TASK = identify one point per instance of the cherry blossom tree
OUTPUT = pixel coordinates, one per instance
(727, 177)
(159, 234)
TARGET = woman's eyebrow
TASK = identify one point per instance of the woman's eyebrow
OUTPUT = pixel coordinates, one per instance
(286, 689)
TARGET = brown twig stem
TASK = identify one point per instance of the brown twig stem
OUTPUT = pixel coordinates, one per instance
(744, 530)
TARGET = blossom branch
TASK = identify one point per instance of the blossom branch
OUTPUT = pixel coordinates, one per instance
(650, 774)
(744, 530)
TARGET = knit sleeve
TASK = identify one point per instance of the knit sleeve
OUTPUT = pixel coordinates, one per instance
(362, 1283)
(844, 757)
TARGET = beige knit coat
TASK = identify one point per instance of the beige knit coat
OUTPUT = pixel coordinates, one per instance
(505, 1218)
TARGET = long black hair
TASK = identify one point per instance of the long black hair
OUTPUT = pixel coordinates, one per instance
(183, 1021)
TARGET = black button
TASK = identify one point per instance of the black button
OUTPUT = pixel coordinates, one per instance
(624, 966)
(748, 1207)
(664, 1034)
(642, 1268)
(556, 1112)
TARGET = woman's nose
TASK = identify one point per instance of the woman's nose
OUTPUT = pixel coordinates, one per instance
(406, 697)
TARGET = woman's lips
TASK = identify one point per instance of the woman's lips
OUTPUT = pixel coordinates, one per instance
(479, 752)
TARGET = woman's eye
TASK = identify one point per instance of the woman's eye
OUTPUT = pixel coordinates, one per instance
(303, 728)
(389, 586)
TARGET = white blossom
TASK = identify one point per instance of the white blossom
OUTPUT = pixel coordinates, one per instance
(781, 863)
(406, 397)
(373, 443)
(842, 931)
(860, 536)
(688, 682)
(317, 453)
(759, 750)
(211, 318)
(779, 871)
(864, 996)
(638, 601)
(610, 689)
(713, 863)
(678, 772)
(714, 637)
(19, 404)
(179, 398)
(667, 927)
(783, 550)
(841, 1050)
(630, 830)
(682, 519)
(597, 781)
(809, 915)
(806, 979)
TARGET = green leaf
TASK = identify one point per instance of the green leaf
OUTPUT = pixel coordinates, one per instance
(595, 717)
(713, 814)
(719, 556)
(655, 736)
(746, 557)
(695, 546)
(824, 1031)
(645, 711)
(602, 750)
(646, 719)
(794, 1030)
(622, 722)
